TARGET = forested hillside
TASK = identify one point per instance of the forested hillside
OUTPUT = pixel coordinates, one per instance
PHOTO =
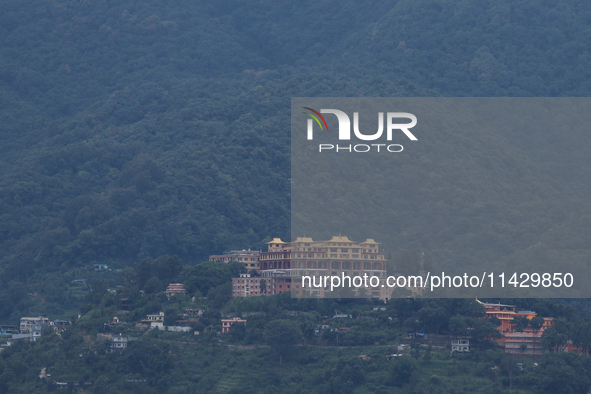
(138, 129)
(148, 135)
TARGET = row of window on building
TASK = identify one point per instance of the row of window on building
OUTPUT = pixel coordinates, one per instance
(282, 255)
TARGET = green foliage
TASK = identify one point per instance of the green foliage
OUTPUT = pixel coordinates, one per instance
(281, 335)
(551, 339)
(165, 365)
(460, 325)
(148, 358)
(177, 146)
(484, 329)
(402, 370)
(180, 148)
(130, 133)
(520, 323)
(218, 296)
(536, 323)
(237, 332)
(155, 274)
(170, 317)
(433, 318)
(308, 322)
(263, 286)
(209, 275)
(565, 373)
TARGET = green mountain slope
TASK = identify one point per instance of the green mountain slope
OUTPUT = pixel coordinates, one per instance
(136, 129)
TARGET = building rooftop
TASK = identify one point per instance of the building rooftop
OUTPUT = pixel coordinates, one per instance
(340, 238)
(236, 252)
(304, 239)
(492, 304)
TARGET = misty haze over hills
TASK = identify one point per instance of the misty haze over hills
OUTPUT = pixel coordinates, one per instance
(142, 137)
(138, 129)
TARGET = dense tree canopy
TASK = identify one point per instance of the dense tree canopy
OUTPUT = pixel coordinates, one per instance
(146, 136)
(132, 132)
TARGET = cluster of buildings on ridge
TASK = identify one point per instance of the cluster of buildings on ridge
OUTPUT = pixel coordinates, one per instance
(183, 324)
(528, 341)
(188, 318)
(272, 272)
(117, 342)
(31, 328)
(156, 321)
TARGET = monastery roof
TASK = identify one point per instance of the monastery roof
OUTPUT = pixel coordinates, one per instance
(491, 304)
(340, 238)
(304, 239)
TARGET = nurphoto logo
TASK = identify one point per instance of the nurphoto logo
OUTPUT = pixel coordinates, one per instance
(345, 130)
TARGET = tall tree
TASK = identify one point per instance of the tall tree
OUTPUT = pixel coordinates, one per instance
(281, 335)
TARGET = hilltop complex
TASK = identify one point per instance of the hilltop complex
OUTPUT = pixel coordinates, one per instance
(285, 261)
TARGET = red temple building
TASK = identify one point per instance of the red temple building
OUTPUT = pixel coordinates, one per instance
(526, 342)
